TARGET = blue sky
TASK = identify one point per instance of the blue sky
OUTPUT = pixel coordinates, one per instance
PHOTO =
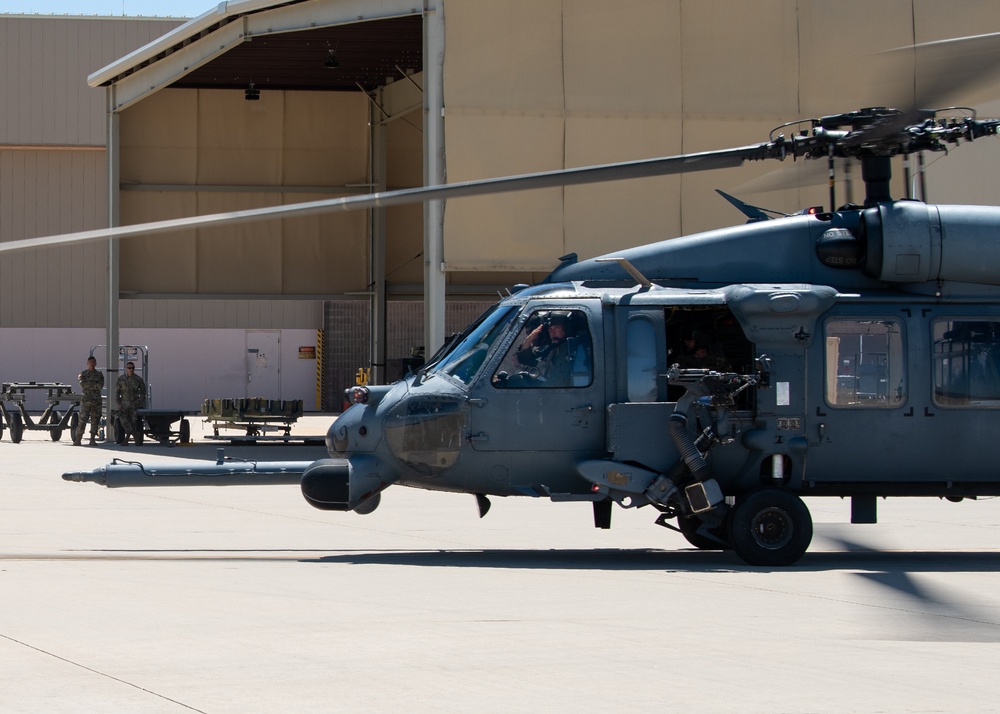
(152, 8)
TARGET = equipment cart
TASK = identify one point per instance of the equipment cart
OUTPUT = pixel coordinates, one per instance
(52, 420)
(157, 424)
(255, 417)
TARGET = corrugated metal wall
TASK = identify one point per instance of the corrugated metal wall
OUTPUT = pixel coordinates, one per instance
(46, 61)
(187, 152)
(52, 162)
(346, 324)
(43, 192)
(539, 85)
(249, 314)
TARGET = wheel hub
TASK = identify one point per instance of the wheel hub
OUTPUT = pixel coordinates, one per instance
(772, 528)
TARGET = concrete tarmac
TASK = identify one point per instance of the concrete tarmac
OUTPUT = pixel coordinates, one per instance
(245, 599)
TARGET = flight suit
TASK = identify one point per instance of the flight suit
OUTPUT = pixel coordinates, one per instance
(91, 384)
(130, 390)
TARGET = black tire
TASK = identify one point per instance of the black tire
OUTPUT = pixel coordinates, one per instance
(185, 431)
(770, 527)
(75, 429)
(16, 428)
(56, 434)
(689, 529)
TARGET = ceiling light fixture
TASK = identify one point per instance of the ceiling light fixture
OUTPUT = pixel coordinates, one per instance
(331, 60)
(252, 93)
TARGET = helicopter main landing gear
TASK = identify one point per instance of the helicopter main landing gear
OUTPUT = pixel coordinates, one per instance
(770, 527)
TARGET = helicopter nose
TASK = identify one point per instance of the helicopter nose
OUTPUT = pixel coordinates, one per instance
(338, 439)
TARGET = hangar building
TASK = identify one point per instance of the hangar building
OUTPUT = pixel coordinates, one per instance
(113, 121)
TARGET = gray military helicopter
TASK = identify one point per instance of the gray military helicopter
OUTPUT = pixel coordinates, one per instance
(716, 378)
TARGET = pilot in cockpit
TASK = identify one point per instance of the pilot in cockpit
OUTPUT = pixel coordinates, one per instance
(554, 353)
(546, 350)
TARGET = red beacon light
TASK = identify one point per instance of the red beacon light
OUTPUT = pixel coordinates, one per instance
(359, 395)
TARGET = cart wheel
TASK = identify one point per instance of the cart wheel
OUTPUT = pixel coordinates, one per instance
(16, 428)
(74, 425)
(138, 436)
(185, 431)
(56, 434)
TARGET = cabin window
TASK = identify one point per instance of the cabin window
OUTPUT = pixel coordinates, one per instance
(553, 351)
(641, 360)
(864, 363)
(966, 363)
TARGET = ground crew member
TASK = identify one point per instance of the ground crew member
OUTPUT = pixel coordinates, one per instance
(130, 391)
(91, 383)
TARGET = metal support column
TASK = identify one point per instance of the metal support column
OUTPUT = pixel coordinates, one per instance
(114, 219)
(434, 174)
(377, 285)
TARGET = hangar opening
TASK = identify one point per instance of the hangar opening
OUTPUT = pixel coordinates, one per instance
(287, 104)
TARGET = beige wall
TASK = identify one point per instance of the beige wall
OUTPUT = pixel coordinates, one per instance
(52, 162)
(192, 152)
(529, 85)
(535, 85)
(43, 193)
(45, 62)
(249, 314)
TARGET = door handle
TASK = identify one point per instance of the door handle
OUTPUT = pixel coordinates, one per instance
(586, 408)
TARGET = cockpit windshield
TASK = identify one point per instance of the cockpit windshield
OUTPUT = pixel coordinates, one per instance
(468, 351)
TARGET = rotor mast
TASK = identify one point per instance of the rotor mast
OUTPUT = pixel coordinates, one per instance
(876, 172)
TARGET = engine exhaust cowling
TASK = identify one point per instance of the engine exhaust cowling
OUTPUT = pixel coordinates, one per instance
(341, 485)
(910, 242)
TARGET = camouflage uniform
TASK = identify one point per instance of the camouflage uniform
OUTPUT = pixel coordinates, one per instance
(130, 391)
(91, 384)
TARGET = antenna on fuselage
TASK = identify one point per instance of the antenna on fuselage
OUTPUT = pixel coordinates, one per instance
(630, 269)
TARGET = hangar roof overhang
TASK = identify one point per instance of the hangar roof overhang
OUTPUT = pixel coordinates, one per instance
(277, 45)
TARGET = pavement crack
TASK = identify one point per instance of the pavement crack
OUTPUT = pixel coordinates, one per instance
(99, 673)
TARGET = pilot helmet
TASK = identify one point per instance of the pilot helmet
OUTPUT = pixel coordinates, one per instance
(557, 317)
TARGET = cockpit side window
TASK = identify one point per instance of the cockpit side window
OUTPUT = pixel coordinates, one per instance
(553, 351)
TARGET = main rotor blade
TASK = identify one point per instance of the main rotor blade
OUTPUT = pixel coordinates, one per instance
(801, 174)
(946, 69)
(682, 163)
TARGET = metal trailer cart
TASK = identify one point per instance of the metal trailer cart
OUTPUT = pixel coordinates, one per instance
(158, 425)
(53, 420)
(254, 416)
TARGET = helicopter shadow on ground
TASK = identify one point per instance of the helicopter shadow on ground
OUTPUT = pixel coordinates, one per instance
(873, 562)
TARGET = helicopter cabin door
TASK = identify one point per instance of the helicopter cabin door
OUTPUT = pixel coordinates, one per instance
(544, 391)
(862, 408)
